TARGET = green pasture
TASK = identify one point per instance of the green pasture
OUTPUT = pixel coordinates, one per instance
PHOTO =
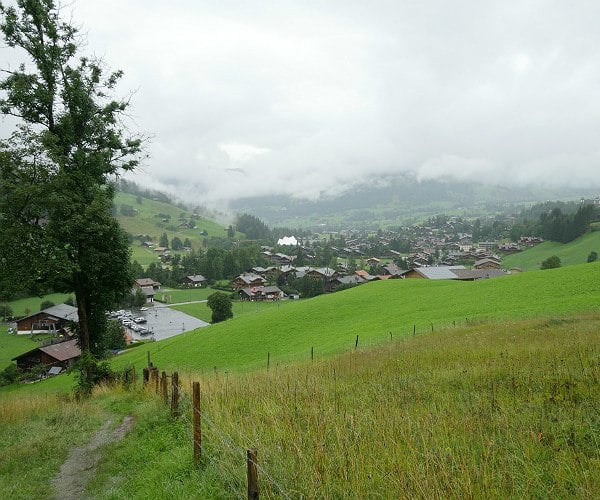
(30, 305)
(575, 252)
(176, 296)
(148, 222)
(240, 308)
(331, 323)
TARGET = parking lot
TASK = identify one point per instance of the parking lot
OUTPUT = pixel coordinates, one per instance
(164, 322)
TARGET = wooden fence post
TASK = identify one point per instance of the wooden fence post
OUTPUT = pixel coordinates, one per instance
(268, 360)
(252, 474)
(356, 343)
(175, 394)
(163, 387)
(146, 376)
(414, 329)
(133, 375)
(149, 362)
(197, 423)
(312, 353)
(154, 378)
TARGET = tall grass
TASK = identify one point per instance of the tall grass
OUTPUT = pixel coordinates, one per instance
(500, 410)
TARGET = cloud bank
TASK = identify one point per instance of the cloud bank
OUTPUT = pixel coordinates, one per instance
(310, 98)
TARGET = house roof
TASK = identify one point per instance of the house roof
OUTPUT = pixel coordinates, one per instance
(63, 351)
(60, 352)
(60, 311)
(146, 282)
(478, 274)
(196, 277)
(250, 277)
(487, 260)
(439, 272)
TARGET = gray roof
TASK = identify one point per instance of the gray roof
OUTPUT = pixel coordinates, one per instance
(62, 311)
(196, 277)
(478, 274)
(439, 272)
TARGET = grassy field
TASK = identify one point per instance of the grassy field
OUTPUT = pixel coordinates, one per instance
(331, 323)
(501, 410)
(148, 222)
(175, 296)
(23, 307)
(575, 252)
(240, 308)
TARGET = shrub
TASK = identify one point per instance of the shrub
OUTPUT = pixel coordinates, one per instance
(46, 304)
(551, 262)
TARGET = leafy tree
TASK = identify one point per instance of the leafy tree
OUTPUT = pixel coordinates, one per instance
(230, 231)
(70, 301)
(46, 304)
(114, 338)
(176, 243)
(138, 199)
(5, 311)
(593, 256)
(68, 145)
(163, 241)
(551, 262)
(187, 243)
(128, 210)
(221, 306)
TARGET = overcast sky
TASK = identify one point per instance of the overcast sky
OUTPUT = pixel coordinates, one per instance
(306, 97)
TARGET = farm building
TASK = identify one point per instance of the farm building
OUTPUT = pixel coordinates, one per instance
(63, 354)
(195, 281)
(50, 320)
(269, 293)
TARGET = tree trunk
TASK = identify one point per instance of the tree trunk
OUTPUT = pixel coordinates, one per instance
(80, 297)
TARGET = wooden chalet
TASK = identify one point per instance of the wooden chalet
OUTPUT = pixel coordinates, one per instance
(63, 354)
(248, 280)
(146, 282)
(51, 320)
(267, 293)
(195, 281)
(487, 263)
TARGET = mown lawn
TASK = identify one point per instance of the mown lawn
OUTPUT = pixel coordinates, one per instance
(24, 307)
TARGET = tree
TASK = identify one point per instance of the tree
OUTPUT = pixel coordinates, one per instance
(221, 305)
(114, 337)
(69, 144)
(551, 262)
(176, 243)
(46, 304)
(593, 256)
(187, 243)
(163, 240)
(5, 311)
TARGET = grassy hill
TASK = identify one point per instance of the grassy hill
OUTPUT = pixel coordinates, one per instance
(571, 253)
(330, 323)
(503, 410)
(149, 221)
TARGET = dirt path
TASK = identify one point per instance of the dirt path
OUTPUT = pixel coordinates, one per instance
(76, 472)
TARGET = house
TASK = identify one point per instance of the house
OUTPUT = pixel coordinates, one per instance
(146, 282)
(373, 261)
(270, 293)
(393, 270)
(346, 281)
(248, 280)
(63, 354)
(434, 272)
(195, 281)
(50, 320)
(487, 263)
(478, 274)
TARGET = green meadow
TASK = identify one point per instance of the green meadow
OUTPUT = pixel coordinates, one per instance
(375, 313)
(30, 305)
(575, 252)
(148, 221)
(489, 410)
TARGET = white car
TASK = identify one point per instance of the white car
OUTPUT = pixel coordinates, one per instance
(141, 319)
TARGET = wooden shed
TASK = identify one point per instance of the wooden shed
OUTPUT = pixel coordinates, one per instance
(63, 354)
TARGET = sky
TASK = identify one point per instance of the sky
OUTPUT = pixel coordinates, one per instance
(310, 98)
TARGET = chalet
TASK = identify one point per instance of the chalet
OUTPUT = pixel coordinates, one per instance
(269, 293)
(161, 250)
(146, 282)
(373, 261)
(488, 245)
(63, 354)
(346, 281)
(195, 281)
(248, 280)
(487, 263)
(478, 274)
(434, 272)
(393, 270)
(53, 319)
